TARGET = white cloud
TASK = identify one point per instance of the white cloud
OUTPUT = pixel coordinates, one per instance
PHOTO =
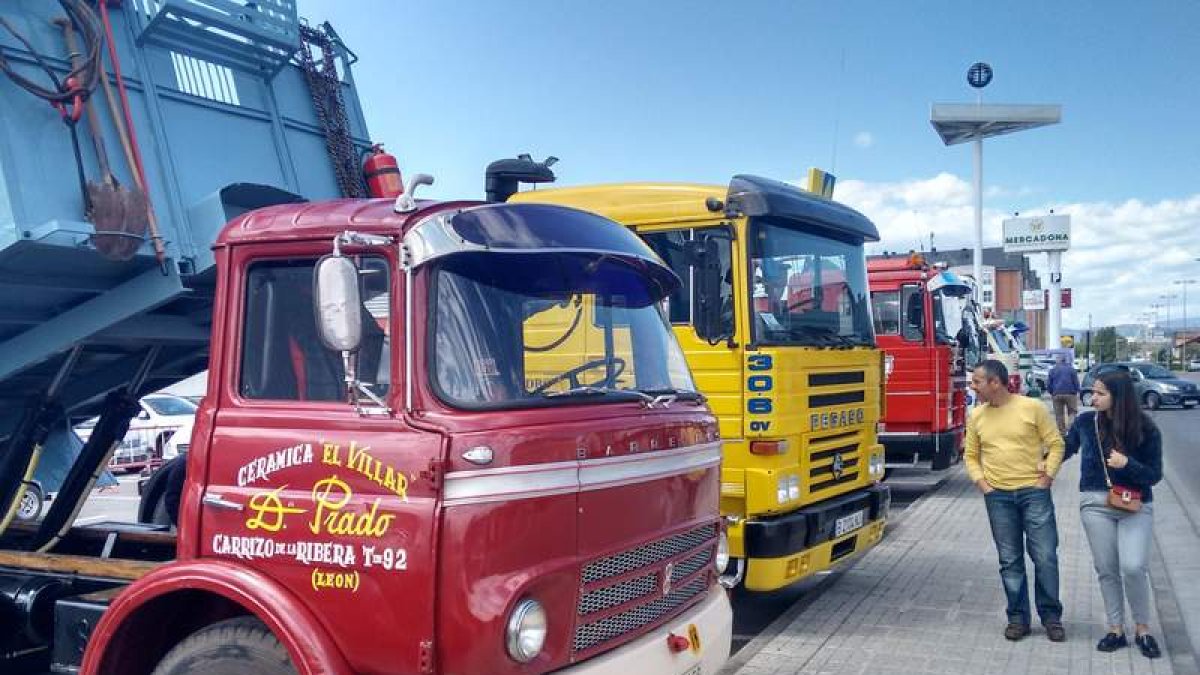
(1124, 255)
(864, 139)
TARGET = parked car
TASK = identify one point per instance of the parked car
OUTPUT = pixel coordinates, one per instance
(163, 418)
(1038, 376)
(1193, 365)
(1155, 385)
(32, 500)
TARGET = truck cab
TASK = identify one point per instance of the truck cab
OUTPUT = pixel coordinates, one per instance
(375, 485)
(774, 320)
(924, 322)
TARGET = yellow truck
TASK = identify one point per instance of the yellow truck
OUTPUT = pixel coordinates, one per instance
(775, 321)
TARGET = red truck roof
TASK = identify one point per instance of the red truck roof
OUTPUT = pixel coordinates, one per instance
(327, 218)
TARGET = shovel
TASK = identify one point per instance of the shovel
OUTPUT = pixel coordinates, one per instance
(118, 213)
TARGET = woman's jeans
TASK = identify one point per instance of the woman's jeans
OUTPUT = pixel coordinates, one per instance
(1025, 518)
(1120, 542)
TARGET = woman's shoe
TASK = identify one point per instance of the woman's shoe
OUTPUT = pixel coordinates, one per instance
(1148, 645)
(1112, 642)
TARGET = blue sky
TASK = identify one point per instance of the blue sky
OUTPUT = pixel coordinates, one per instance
(698, 91)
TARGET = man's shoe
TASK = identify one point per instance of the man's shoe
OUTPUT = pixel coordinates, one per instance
(1112, 642)
(1148, 645)
(1055, 631)
(1016, 631)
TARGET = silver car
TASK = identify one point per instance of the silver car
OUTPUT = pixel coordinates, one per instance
(1155, 385)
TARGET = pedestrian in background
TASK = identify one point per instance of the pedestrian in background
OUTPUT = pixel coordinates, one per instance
(1063, 383)
(1013, 451)
(1119, 448)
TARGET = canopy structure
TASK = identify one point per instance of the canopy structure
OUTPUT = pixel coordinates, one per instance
(961, 122)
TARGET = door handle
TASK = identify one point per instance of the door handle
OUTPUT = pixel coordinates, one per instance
(221, 503)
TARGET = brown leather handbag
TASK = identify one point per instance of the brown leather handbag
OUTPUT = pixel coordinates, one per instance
(1119, 496)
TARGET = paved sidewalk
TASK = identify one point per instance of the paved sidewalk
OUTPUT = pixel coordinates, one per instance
(928, 599)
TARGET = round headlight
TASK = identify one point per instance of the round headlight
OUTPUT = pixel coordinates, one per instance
(526, 630)
(722, 559)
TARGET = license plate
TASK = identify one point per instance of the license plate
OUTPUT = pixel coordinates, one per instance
(847, 524)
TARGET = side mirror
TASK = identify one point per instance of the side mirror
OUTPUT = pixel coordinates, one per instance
(339, 311)
(143, 415)
(706, 303)
(1135, 374)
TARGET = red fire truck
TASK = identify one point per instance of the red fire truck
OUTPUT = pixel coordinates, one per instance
(924, 323)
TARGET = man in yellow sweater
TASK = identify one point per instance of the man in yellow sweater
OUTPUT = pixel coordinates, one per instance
(1013, 450)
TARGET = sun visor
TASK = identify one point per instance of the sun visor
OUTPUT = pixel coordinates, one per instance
(759, 197)
(949, 283)
(571, 248)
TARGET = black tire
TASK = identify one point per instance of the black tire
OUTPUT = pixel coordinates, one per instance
(1153, 400)
(233, 647)
(160, 515)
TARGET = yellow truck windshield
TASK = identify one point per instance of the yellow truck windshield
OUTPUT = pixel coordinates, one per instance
(807, 289)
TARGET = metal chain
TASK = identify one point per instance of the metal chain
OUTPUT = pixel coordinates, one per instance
(326, 90)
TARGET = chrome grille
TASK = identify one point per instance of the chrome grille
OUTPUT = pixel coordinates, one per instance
(608, 612)
(593, 634)
(615, 595)
(686, 568)
(616, 565)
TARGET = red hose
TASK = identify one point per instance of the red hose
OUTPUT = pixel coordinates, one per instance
(160, 253)
(112, 56)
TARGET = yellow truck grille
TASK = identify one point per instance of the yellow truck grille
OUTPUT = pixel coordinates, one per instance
(834, 460)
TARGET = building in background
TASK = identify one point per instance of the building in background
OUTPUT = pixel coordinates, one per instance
(1005, 276)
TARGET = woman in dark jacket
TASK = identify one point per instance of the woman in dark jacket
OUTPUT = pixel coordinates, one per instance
(1118, 444)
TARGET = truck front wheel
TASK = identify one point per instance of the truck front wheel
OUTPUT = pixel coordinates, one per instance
(233, 647)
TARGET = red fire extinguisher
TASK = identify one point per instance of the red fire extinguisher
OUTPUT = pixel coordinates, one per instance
(382, 173)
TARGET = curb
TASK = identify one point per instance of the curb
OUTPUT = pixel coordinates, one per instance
(773, 629)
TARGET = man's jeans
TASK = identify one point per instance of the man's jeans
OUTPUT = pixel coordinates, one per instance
(1019, 518)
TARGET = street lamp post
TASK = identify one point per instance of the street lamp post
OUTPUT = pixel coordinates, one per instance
(1167, 331)
(962, 122)
(1155, 306)
(1184, 283)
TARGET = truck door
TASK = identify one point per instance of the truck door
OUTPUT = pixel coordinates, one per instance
(910, 390)
(302, 487)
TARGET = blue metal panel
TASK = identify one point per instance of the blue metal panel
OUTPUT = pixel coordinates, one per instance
(209, 109)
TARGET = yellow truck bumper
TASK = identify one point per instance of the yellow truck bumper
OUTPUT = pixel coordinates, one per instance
(780, 550)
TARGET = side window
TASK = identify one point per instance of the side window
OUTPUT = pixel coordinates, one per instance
(885, 307)
(282, 355)
(913, 324)
(725, 250)
(671, 247)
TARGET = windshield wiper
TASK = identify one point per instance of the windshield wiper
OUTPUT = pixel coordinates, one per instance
(589, 390)
(829, 335)
(688, 394)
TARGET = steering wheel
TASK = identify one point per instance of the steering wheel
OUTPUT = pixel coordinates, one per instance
(573, 374)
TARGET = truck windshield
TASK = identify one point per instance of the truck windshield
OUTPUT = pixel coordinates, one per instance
(949, 316)
(1001, 339)
(808, 289)
(551, 330)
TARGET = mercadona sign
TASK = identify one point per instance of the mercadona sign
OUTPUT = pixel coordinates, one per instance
(1037, 233)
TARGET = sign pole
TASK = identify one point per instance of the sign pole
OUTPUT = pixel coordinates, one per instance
(977, 256)
(1055, 334)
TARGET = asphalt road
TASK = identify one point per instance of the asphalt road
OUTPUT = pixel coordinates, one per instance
(1181, 445)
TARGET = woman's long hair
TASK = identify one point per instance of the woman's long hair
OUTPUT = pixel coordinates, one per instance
(1124, 422)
